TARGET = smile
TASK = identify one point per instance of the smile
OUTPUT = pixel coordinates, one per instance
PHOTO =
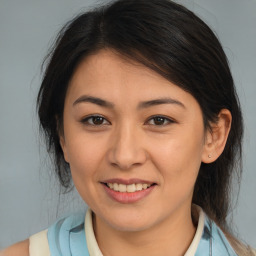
(131, 188)
(128, 191)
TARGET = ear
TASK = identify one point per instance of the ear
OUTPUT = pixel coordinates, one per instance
(216, 137)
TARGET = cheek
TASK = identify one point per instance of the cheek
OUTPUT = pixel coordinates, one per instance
(84, 163)
(84, 157)
(179, 159)
(178, 168)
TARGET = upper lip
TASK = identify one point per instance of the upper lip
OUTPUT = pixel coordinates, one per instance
(127, 181)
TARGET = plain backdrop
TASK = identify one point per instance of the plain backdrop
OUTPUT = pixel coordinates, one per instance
(29, 198)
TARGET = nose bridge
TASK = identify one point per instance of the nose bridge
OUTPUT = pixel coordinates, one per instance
(127, 149)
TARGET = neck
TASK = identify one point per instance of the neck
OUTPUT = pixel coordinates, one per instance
(170, 237)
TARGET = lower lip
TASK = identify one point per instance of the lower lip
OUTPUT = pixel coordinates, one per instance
(125, 197)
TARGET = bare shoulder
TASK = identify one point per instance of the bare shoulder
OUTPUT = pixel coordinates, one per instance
(21, 249)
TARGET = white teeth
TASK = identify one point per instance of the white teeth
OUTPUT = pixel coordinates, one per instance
(122, 188)
(111, 185)
(144, 186)
(116, 187)
(128, 188)
(131, 188)
(138, 187)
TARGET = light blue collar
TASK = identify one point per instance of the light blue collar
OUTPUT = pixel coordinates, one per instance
(67, 237)
(213, 242)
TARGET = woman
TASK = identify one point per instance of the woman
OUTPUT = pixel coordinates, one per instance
(138, 105)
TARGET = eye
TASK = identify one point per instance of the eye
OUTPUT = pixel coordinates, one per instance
(159, 120)
(95, 120)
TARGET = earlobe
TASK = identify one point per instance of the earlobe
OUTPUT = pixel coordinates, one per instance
(207, 155)
(216, 138)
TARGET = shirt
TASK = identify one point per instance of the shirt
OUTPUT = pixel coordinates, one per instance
(74, 235)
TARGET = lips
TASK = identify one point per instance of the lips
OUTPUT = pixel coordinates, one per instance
(128, 191)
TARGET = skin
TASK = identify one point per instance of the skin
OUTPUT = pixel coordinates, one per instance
(128, 142)
(21, 248)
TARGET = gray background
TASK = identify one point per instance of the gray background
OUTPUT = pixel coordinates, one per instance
(29, 199)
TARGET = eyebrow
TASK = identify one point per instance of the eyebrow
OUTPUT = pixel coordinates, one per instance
(143, 104)
(94, 100)
(150, 103)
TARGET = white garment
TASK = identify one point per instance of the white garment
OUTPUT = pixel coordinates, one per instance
(38, 244)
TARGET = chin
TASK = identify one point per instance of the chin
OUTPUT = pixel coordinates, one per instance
(129, 222)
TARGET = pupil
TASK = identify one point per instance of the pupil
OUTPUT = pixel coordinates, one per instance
(97, 120)
(159, 120)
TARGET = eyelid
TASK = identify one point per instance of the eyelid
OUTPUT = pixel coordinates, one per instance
(85, 119)
(170, 120)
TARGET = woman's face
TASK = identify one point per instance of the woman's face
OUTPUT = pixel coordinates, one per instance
(134, 142)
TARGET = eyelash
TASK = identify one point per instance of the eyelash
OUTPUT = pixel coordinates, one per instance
(86, 120)
(166, 120)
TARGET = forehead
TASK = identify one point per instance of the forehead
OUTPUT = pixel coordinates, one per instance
(107, 65)
(108, 74)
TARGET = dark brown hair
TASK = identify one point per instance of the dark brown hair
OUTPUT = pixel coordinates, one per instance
(170, 40)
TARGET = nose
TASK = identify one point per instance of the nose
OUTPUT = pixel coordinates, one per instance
(126, 149)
